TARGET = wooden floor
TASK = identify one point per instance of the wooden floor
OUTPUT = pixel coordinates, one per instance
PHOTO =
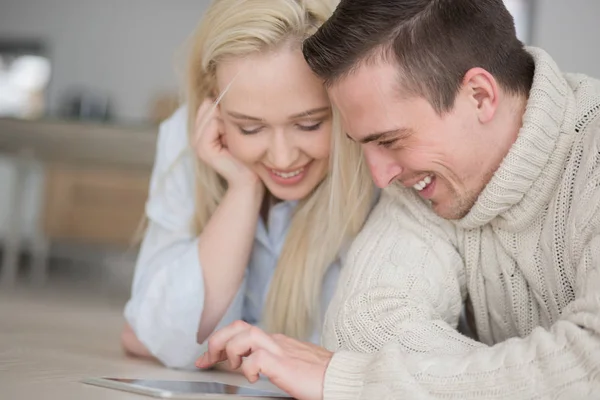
(51, 339)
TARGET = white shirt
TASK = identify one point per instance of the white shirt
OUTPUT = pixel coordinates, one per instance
(168, 287)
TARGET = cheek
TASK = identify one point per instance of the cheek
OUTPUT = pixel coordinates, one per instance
(246, 148)
(317, 145)
(436, 151)
(418, 158)
(446, 163)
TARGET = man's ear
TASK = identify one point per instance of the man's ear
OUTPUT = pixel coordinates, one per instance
(482, 89)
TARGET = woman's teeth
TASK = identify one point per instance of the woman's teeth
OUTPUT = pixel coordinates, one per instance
(423, 183)
(288, 175)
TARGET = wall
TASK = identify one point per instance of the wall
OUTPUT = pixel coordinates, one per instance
(128, 48)
(124, 48)
(569, 31)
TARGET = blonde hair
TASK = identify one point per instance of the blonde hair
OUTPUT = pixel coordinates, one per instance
(335, 211)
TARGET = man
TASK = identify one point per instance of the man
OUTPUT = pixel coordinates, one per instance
(490, 157)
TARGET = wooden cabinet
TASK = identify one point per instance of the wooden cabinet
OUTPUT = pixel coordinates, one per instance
(96, 185)
(94, 206)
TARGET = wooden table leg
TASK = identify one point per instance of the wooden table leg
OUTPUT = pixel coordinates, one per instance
(39, 260)
(40, 245)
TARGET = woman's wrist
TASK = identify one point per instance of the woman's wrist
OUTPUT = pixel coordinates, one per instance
(250, 191)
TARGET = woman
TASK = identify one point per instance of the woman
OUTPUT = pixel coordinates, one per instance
(245, 221)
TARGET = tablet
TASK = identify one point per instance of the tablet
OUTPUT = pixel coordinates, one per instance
(185, 389)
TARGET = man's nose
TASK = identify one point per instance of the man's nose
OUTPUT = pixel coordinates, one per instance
(383, 168)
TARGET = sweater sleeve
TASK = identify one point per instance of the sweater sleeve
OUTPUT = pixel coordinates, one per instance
(393, 326)
(167, 296)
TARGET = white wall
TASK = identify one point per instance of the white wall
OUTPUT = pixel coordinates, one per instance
(570, 31)
(125, 48)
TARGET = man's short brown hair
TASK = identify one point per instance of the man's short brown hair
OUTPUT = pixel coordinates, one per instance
(434, 43)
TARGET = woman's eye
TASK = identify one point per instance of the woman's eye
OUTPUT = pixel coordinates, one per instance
(309, 128)
(250, 131)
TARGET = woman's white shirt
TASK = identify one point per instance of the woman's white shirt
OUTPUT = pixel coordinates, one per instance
(168, 287)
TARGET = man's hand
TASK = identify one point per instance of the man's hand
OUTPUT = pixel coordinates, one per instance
(296, 367)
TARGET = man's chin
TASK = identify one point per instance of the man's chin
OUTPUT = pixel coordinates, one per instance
(450, 212)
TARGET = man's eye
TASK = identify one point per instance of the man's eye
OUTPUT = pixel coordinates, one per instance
(387, 143)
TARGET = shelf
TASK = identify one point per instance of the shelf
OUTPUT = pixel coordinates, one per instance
(80, 143)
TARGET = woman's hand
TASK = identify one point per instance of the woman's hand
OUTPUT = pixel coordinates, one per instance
(212, 149)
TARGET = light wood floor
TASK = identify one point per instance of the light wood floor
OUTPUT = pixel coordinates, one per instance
(51, 339)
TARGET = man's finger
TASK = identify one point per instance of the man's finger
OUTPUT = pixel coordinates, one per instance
(260, 361)
(206, 360)
(246, 343)
(218, 341)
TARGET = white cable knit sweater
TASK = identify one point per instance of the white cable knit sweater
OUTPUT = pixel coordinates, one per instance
(527, 254)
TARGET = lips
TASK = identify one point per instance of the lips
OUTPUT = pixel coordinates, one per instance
(288, 175)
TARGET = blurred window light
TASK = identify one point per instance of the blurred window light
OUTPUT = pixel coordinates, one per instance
(24, 77)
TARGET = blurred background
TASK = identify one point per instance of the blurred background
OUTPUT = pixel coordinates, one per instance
(83, 87)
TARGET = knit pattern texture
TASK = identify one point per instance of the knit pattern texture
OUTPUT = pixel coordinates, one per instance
(527, 255)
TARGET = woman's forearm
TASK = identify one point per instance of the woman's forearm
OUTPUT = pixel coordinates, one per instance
(224, 250)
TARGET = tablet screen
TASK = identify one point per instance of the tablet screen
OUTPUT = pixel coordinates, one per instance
(185, 387)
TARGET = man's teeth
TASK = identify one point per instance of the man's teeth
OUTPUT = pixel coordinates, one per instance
(421, 184)
(288, 175)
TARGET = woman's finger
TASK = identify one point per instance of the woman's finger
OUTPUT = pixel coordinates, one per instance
(204, 121)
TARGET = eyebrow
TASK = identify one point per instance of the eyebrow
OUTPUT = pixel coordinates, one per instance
(373, 137)
(303, 114)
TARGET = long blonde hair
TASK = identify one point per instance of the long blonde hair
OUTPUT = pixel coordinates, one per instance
(323, 222)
